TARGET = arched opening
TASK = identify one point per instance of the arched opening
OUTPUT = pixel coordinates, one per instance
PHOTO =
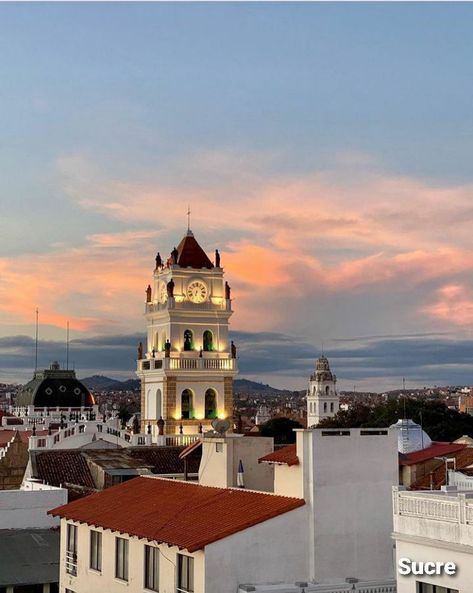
(188, 340)
(151, 404)
(208, 341)
(158, 404)
(187, 404)
(331, 406)
(325, 406)
(327, 389)
(156, 341)
(211, 403)
(163, 341)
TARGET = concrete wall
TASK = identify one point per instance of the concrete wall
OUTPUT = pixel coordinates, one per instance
(269, 552)
(27, 509)
(288, 480)
(220, 468)
(348, 480)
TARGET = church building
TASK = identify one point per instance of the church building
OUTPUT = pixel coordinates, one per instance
(322, 397)
(188, 364)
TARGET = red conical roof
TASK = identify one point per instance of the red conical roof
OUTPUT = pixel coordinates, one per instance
(191, 254)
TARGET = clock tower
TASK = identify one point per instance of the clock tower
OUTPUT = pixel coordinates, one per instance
(188, 364)
(322, 397)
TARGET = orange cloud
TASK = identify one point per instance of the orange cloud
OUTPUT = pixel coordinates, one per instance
(454, 304)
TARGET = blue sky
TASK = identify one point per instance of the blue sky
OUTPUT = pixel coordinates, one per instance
(342, 132)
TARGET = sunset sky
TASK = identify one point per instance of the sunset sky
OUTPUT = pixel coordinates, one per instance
(325, 149)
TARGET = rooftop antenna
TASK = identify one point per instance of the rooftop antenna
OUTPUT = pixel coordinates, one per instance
(67, 346)
(36, 342)
(188, 218)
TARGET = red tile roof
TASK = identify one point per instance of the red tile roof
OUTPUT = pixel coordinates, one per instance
(285, 456)
(7, 435)
(176, 513)
(437, 449)
(463, 459)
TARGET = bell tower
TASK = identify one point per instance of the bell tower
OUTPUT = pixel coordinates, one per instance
(322, 398)
(188, 364)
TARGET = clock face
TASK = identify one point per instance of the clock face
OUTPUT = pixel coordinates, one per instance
(197, 291)
(163, 293)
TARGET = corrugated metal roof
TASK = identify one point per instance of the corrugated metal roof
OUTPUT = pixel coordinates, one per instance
(29, 556)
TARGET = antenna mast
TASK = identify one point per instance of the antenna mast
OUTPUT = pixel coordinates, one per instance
(36, 342)
(67, 347)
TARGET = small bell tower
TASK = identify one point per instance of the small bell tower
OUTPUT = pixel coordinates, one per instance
(322, 397)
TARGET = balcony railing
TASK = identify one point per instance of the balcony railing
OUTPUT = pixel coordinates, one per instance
(225, 305)
(71, 563)
(192, 364)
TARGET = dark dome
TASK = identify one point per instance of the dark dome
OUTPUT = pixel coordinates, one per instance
(53, 388)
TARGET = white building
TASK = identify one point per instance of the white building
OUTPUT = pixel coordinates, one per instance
(434, 527)
(346, 477)
(223, 455)
(163, 535)
(322, 397)
(29, 544)
(263, 414)
(188, 365)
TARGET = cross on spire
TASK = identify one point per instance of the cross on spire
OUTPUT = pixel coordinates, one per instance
(188, 218)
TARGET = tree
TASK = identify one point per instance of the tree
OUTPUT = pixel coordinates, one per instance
(281, 429)
(438, 421)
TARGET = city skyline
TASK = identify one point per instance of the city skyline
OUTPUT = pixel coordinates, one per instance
(325, 157)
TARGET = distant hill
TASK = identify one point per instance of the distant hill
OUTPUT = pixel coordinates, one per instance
(246, 386)
(101, 383)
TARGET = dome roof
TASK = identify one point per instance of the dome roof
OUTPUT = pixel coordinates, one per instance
(55, 387)
(410, 436)
(322, 370)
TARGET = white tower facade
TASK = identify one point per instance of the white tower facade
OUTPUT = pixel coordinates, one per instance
(188, 364)
(322, 397)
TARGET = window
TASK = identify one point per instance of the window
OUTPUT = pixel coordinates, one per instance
(121, 558)
(151, 568)
(426, 588)
(71, 549)
(185, 574)
(187, 404)
(219, 447)
(95, 550)
(325, 406)
(331, 406)
(188, 340)
(208, 341)
(210, 403)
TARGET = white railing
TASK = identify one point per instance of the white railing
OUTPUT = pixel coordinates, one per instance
(187, 306)
(177, 440)
(71, 563)
(192, 364)
(448, 506)
(349, 587)
(421, 506)
(101, 429)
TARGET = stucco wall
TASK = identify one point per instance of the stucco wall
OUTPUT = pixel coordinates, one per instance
(220, 468)
(90, 581)
(266, 553)
(348, 483)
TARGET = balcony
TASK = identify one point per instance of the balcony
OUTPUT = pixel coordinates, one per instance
(172, 304)
(445, 515)
(188, 364)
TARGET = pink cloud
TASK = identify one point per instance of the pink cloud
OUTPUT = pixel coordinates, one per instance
(453, 304)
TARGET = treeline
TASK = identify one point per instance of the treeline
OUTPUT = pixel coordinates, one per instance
(438, 421)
